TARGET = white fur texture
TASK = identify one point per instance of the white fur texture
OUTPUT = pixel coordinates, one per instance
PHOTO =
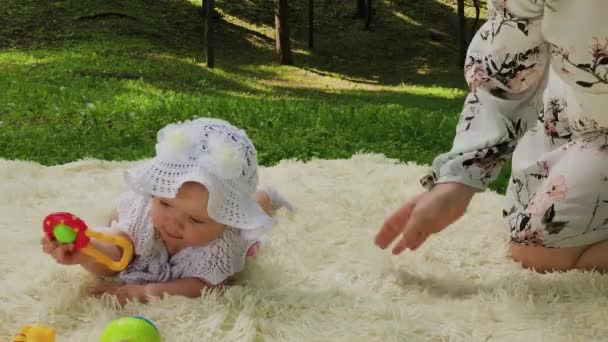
(319, 279)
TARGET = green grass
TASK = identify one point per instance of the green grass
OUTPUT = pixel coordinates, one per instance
(77, 85)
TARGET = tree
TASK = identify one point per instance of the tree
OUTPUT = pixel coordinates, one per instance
(208, 9)
(462, 40)
(364, 11)
(476, 22)
(311, 27)
(368, 14)
(283, 47)
(361, 9)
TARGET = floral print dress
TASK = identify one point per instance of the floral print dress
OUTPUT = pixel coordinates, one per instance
(538, 77)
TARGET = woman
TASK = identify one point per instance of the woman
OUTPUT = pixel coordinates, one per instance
(538, 75)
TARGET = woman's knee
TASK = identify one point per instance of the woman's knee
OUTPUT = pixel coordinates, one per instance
(544, 259)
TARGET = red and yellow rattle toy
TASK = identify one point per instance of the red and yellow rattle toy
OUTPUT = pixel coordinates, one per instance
(67, 228)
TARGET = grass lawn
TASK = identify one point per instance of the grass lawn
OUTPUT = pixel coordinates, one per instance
(98, 79)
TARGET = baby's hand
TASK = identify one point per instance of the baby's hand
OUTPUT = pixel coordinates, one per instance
(62, 253)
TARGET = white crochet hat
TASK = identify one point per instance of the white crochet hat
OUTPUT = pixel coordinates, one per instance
(216, 154)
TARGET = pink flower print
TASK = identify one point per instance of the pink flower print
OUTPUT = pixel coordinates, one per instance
(499, 6)
(533, 236)
(550, 128)
(543, 170)
(492, 13)
(524, 79)
(599, 50)
(539, 204)
(556, 189)
(523, 235)
(585, 124)
(475, 73)
(556, 109)
(566, 52)
(544, 167)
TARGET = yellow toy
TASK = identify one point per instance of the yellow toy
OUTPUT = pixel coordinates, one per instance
(35, 333)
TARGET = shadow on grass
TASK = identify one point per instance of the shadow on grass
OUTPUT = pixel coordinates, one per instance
(117, 118)
(166, 72)
(411, 41)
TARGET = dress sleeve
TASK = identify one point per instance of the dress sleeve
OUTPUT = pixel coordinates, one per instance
(505, 68)
(134, 220)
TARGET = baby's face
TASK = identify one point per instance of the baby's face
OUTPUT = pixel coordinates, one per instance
(183, 221)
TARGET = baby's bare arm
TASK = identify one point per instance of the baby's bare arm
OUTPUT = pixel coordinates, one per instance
(263, 201)
(110, 250)
(187, 287)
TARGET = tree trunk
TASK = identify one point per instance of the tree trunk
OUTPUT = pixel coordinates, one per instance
(361, 9)
(476, 22)
(208, 34)
(462, 41)
(311, 22)
(283, 48)
(368, 14)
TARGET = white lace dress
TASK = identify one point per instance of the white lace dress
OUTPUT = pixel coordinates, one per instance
(213, 263)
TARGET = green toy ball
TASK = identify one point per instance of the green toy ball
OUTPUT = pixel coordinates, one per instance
(130, 329)
(64, 233)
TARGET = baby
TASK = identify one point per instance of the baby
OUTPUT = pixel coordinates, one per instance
(193, 213)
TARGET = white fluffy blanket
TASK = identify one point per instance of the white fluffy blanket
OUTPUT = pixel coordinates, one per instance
(320, 279)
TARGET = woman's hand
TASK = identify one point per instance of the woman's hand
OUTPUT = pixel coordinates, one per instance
(426, 214)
